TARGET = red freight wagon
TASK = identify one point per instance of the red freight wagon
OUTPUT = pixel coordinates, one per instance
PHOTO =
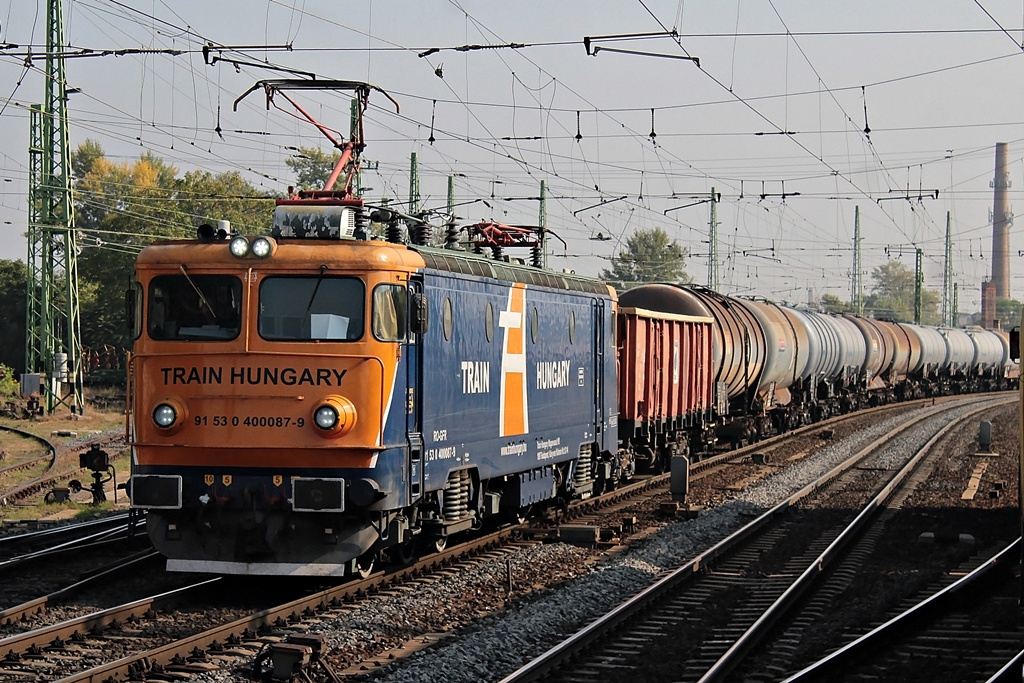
(666, 379)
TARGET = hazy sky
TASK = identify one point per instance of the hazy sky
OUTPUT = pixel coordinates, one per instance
(774, 102)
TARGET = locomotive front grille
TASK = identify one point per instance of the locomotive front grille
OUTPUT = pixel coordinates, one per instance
(318, 495)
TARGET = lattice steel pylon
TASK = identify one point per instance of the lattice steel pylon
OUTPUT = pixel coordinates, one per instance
(53, 344)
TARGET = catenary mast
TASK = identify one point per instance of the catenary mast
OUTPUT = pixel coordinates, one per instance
(53, 338)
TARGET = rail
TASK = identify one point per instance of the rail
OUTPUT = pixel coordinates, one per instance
(1002, 561)
(549, 661)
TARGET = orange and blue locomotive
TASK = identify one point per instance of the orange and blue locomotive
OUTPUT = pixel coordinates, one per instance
(306, 401)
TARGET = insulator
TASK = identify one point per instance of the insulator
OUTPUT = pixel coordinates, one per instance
(496, 252)
(395, 232)
(451, 236)
(362, 226)
(422, 233)
(536, 256)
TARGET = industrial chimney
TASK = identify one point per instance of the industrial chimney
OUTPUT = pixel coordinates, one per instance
(1002, 219)
(988, 305)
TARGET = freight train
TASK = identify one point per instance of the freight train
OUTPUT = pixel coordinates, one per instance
(311, 401)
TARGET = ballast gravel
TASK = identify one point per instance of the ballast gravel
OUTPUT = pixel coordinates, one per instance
(495, 645)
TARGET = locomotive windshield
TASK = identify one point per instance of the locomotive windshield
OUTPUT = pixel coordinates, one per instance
(312, 308)
(187, 306)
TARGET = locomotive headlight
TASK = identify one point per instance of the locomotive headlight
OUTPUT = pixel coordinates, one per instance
(239, 246)
(169, 415)
(326, 417)
(262, 247)
(164, 415)
(334, 416)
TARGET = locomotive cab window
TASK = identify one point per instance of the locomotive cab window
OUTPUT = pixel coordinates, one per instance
(389, 310)
(184, 307)
(133, 309)
(312, 308)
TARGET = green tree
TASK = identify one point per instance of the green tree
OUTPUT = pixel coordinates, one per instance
(892, 296)
(650, 256)
(120, 207)
(13, 281)
(84, 157)
(10, 386)
(831, 303)
(313, 167)
(123, 206)
(1008, 313)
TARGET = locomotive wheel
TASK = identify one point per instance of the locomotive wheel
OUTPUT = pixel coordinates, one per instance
(405, 552)
(364, 565)
(521, 514)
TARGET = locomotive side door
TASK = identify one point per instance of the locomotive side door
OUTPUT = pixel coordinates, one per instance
(413, 388)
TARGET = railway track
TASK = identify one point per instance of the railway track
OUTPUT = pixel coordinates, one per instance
(17, 550)
(211, 635)
(701, 620)
(55, 472)
(175, 633)
(965, 628)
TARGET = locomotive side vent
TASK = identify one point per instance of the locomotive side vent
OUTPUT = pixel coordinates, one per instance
(314, 221)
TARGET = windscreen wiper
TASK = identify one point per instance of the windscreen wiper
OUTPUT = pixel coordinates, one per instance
(323, 269)
(202, 299)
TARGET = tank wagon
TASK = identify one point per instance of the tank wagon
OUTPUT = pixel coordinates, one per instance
(777, 367)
